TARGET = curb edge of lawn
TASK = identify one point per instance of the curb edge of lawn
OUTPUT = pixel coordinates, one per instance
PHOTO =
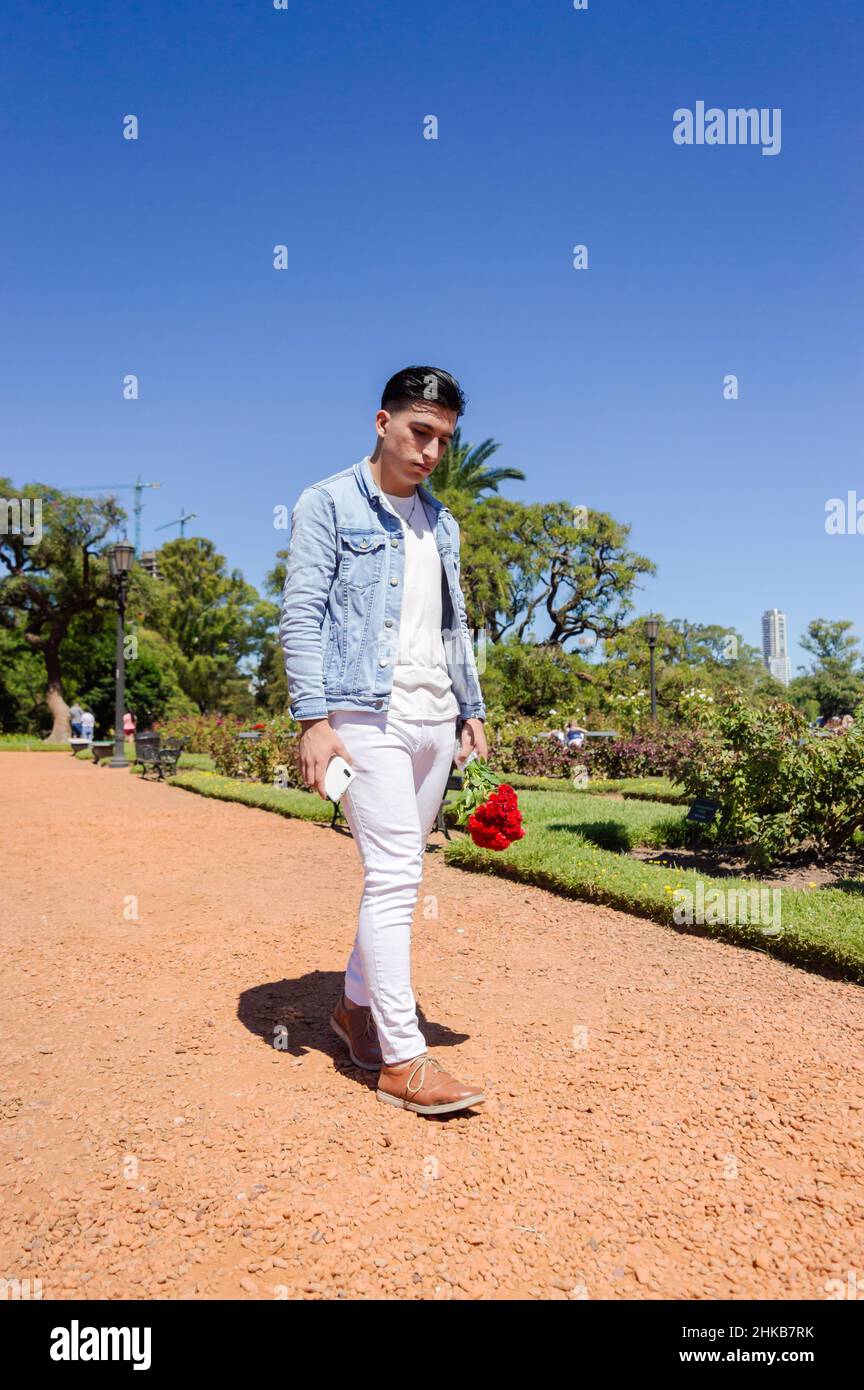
(804, 954)
(463, 854)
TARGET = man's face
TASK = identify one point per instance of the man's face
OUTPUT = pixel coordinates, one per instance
(414, 440)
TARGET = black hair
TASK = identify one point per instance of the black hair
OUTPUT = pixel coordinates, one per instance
(429, 384)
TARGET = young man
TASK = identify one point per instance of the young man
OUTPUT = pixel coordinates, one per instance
(381, 671)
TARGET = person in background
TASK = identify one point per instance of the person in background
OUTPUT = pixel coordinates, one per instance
(75, 714)
(573, 735)
(129, 725)
(87, 725)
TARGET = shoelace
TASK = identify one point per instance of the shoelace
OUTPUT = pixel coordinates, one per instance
(420, 1065)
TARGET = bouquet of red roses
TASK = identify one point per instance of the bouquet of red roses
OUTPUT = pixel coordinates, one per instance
(490, 807)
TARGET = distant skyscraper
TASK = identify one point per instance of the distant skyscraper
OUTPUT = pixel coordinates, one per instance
(774, 645)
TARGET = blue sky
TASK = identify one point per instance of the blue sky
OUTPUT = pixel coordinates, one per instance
(304, 127)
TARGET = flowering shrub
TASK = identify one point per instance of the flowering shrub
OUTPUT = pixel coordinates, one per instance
(271, 758)
(658, 753)
(505, 731)
(541, 757)
(695, 706)
(201, 731)
(630, 710)
(274, 757)
(661, 753)
(779, 788)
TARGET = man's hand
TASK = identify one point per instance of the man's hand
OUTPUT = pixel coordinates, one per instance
(472, 740)
(318, 744)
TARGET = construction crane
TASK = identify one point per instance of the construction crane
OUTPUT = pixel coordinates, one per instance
(181, 521)
(136, 487)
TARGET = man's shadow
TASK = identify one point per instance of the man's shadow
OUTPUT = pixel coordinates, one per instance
(293, 1016)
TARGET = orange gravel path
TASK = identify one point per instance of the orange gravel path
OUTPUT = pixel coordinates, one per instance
(670, 1117)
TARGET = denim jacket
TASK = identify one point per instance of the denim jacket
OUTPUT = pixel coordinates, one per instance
(342, 600)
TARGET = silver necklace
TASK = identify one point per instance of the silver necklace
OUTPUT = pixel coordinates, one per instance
(413, 508)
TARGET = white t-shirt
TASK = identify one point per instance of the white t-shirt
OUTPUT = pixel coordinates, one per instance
(422, 688)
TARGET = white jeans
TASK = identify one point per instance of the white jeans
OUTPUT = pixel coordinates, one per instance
(402, 768)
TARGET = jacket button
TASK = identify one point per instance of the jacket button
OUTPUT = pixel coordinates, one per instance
(383, 661)
(394, 580)
(394, 544)
(388, 622)
(363, 544)
(378, 704)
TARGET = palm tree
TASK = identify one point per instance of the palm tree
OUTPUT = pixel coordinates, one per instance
(463, 470)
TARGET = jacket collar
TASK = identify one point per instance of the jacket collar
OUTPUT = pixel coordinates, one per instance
(368, 484)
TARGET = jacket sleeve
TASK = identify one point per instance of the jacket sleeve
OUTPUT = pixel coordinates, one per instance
(309, 574)
(477, 710)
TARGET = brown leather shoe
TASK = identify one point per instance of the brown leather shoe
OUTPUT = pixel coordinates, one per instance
(423, 1085)
(356, 1027)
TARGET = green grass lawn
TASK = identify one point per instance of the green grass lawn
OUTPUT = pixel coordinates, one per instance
(637, 788)
(202, 761)
(300, 805)
(29, 743)
(562, 851)
(617, 825)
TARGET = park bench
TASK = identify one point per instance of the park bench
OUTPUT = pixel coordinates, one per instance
(102, 749)
(78, 745)
(169, 756)
(156, 756)
(454, 784)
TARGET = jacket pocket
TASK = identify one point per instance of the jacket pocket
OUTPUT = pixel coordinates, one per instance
(361, 556)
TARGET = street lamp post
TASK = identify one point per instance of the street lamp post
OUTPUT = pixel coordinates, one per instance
(119, 565)
(652, 632)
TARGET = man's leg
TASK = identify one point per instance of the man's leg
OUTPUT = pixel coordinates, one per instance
(381, 809)
(402, 771)
(434, 747)
(432, 768)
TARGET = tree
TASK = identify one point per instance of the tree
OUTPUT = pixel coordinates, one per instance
(694, 662)
(272, 684)
(531, 680)
(501, 566)
(830, 642)
(89, 659)
(835, 680)
(48, 584)
(214, 618)
(522, 560)
(463, 471)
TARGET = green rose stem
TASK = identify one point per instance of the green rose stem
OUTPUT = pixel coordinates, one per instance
(478, 784)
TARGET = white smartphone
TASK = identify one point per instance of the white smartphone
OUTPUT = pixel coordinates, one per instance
(337, 777)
